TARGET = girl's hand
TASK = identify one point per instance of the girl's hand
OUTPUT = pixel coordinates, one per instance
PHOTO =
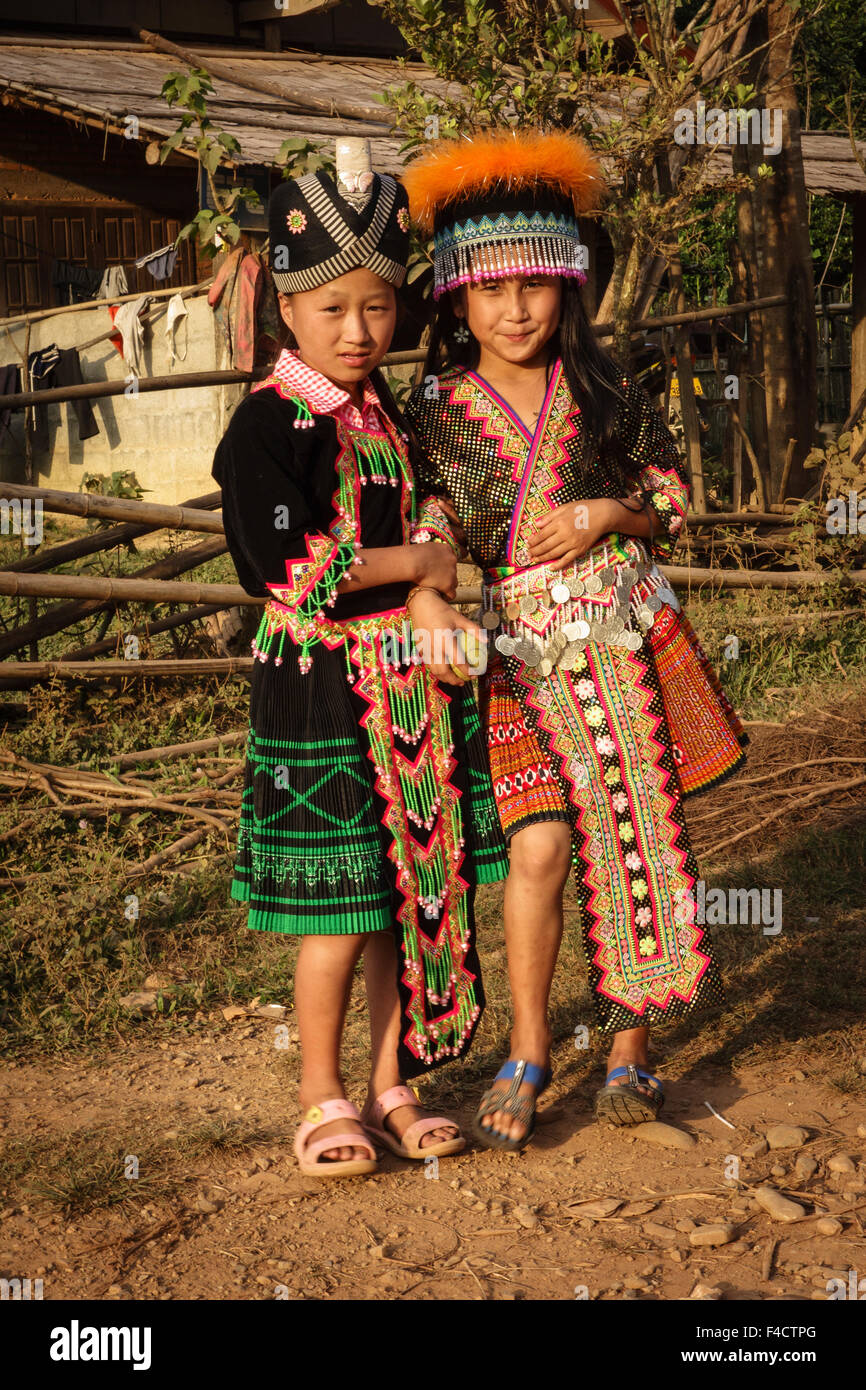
(437, 628)
(436, 565)
(567, 533)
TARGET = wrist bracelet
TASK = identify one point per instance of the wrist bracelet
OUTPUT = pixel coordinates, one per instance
(422, 588)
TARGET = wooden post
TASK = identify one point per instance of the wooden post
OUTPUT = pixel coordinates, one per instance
(858, 316)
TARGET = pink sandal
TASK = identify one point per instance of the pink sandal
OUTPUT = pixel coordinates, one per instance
(308, 1154)
(409, 1147)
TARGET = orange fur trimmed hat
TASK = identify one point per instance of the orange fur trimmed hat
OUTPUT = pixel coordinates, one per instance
(504, 203)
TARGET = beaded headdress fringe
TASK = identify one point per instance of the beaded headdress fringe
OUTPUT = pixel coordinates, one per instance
(503, 256)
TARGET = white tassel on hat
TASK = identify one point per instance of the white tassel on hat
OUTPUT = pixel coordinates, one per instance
(354, 170)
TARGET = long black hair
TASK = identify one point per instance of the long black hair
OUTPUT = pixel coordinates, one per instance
(593, 376)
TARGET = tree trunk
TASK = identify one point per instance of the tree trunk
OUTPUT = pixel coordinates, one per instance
(782, 260)
(858, 325)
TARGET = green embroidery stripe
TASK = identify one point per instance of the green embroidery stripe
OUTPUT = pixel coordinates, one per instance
(317, 917)
(312, 743)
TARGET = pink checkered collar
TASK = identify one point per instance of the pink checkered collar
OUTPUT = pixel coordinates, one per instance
(323, 396)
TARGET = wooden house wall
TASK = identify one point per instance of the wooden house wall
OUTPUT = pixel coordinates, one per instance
(62, 199)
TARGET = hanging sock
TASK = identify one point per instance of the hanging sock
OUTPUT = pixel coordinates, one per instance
(177, 310)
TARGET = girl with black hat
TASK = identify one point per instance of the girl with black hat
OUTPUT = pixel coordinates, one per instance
(367, 814)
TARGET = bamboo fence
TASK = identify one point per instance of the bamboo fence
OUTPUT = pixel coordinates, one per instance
(34, 576)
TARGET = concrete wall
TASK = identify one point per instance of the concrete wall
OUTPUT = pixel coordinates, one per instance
(166, 438)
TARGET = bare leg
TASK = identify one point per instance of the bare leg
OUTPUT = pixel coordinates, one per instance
(540, 861)
(323, 983)
(383, 1001)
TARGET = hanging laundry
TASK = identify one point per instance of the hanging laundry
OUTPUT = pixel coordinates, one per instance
(74, 283)
(177, 311)
(113, 283)
(235, 296)
(219, 299)
(50, 367)
(125, 318)
(159, 263)
(268, 321)
(249, 294)
(10, 385)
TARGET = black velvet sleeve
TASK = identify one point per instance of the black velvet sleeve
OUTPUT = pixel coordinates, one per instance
(277, 485)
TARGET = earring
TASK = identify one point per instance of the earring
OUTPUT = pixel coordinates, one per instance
(461, 333)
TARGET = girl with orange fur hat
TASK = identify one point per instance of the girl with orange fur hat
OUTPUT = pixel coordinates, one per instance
(602, 712)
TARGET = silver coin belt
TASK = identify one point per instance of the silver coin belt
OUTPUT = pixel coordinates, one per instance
(545, 618)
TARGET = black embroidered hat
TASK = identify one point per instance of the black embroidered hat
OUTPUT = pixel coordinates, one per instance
(320, 229)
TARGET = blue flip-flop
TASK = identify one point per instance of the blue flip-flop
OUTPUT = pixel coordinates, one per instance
(522, 1108)
(626, 1105)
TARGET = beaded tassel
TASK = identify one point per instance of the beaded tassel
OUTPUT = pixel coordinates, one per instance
(383, 463)
(303, 419)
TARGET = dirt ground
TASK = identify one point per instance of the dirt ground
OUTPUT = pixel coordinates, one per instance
(486, 1226)
(163, 1167)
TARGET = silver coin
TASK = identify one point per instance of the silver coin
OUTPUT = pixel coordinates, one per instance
(607, 575)
(628, 574)
(576, 587)
(560, 593)
(512, 609)
(545, 666)
(558, 640)
(593, 585)
(596, 631)
(623, 593)
(528, 605)
(653, 603)
(645, 619)
(505, 645)
(620, 639)
(533, 655)
(576, 631)
(569, 655)
(635, 641)
(490, 618)
(615, 624)
(664, 593)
